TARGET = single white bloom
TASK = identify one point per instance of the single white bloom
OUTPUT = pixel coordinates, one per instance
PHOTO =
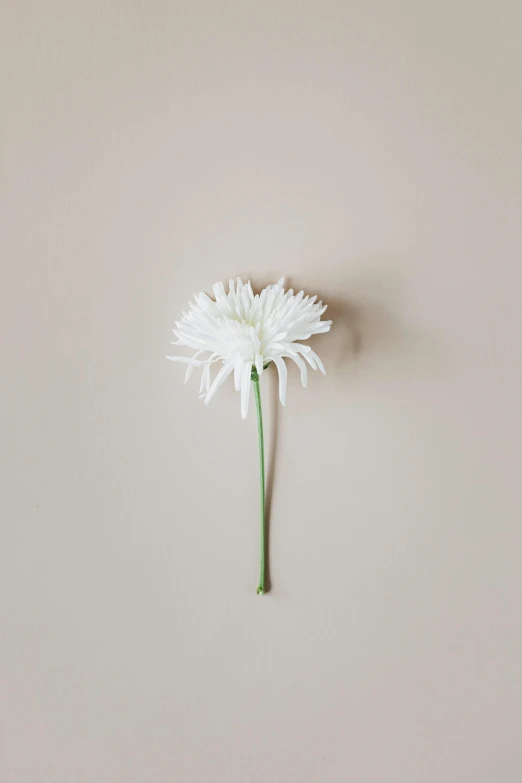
(244, 332)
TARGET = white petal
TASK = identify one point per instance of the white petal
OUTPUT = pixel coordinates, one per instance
(255, 340)
(319, 362)
(302, 366)
(245, 389)
(218, 380)
(308, 357)
(322, 326)
(238, 370)
(281, 367)
(190, 368)
(205, 380)
(259, 363)
(219, 291)
(185, 360)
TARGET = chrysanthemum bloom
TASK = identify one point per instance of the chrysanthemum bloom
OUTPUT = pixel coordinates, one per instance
(245, 332)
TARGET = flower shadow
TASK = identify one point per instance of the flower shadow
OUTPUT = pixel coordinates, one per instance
(368, 322)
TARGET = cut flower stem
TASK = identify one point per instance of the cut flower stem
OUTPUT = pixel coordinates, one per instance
(263, 555)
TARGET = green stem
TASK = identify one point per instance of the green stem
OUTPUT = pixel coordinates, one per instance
(262, 567)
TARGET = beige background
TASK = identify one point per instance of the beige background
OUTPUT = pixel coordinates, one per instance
(369, 151)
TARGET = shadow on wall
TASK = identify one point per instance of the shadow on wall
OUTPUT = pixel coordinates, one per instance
(377, 324)
(368, 317)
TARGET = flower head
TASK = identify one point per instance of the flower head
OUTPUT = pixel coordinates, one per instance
(245, 332)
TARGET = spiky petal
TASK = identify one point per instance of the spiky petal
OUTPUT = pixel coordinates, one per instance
(246, 331)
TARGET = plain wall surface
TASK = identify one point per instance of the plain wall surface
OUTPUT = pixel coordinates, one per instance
(371, 152)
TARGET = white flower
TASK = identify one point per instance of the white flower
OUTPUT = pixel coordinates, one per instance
(245, 332)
